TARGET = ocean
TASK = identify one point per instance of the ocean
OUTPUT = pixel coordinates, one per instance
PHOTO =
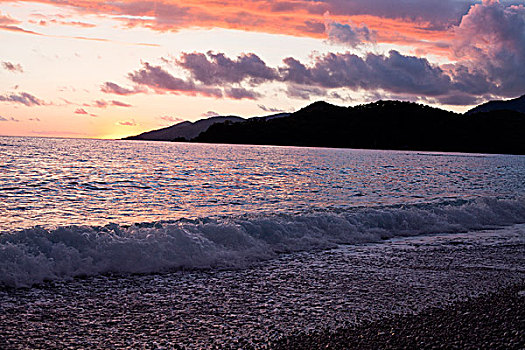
(131, 243)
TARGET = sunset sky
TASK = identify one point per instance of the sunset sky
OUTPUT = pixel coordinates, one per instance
(109, 69)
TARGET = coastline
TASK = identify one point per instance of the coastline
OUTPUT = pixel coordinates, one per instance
(304, 300)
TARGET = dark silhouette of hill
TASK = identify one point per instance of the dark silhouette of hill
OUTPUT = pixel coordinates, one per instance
(186, 131)
(516, 104)
(380, 125)
(183, 131)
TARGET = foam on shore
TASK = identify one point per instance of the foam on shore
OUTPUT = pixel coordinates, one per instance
(31, 256)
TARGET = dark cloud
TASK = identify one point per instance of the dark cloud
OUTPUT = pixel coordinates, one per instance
(23, 98)
(489, 45)
(314, 27)
(216, 68)
(13, 67)
(239, 93)
(491, 39)
(158, 79)
(348, 34)
(393, 72)
(435, 14)
(304, 92)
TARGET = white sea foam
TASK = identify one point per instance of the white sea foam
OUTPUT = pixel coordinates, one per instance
(35, 255)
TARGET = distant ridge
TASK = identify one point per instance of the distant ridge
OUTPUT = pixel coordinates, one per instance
(393, 125)
(183, 131)
(516, 104)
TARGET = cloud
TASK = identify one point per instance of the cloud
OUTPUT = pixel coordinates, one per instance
(413, 22)
(44, 20)
(120, 104)
(171, 119)
(112, 88)
(439, 14)
(8, 119)
(23, 98)
(348, 34)
(100, 104)
(160, 80)
(12, 67)
(490, 43)
(240, 93)
(81, 111)
(104, 104)
(304, 92)
(11, 28)
(210, 114)
(485, 40)
(393, 72)
(270, 109)
(127, 122)
(216, 68)
(6, 20)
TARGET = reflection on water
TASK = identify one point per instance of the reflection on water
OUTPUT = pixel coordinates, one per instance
(63, 181)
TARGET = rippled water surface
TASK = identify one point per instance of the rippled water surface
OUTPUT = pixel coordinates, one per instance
(122, 244)
(57, 182)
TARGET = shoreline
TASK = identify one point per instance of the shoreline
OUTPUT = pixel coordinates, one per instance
(336, 295)
(490, 321)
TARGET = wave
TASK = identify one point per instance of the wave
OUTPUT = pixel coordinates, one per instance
(35, 255)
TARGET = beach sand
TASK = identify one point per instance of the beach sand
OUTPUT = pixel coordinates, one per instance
(449, 291)
(492, 321)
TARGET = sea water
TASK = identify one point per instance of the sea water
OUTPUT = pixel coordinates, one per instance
(218, 240)
(84, 207)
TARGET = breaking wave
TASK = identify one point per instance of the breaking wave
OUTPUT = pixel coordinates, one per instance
(32, 256)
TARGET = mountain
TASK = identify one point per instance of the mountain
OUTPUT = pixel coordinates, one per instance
(183, 131)
(186, 131)
(516, 104)
(380, 125)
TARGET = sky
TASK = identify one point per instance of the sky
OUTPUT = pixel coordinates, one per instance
(109, 69)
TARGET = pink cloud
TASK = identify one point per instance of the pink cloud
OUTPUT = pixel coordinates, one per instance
(127, 122)
(23, 98)
(210, 114)
(490, 44)
(100, 104)
(8, 119)
(112, 88)
(120, 104)
(171, 119)
(104, 104)
(81, 111)
(13, 67)
(7, 20)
